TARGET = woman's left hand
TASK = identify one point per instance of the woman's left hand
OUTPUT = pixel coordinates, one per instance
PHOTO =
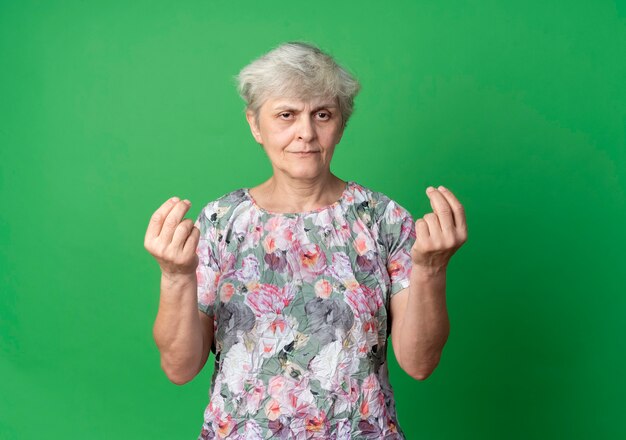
(440, 233)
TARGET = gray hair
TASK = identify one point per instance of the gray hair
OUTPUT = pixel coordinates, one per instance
(297, 70)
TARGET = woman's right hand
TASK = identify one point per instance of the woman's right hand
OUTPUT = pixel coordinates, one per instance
(172, 240)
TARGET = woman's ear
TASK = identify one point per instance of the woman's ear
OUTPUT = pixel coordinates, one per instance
(254, 128)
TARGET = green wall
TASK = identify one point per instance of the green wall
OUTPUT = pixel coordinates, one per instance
(109, 108)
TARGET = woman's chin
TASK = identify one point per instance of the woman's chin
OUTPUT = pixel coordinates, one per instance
(308, 173)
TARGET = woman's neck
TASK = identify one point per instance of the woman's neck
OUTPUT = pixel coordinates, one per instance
(285, 194)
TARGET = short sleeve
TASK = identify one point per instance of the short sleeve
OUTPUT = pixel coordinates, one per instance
(208, 270)
(398, 235)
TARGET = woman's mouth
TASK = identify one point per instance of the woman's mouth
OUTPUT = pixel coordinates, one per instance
(305, 153)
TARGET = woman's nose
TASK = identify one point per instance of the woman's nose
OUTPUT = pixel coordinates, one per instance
(305, 130)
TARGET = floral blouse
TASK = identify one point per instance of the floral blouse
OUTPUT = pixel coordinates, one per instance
(300, 304)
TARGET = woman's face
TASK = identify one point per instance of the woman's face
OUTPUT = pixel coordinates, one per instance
(299, 136)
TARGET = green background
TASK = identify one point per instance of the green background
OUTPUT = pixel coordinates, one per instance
(109, 108)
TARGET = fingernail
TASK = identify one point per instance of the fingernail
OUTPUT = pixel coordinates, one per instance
(430, 189)
(442, 188)
(175, 199)
(187, 202)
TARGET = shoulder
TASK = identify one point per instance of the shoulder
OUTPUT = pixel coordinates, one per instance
(377, 205)
(219, 211)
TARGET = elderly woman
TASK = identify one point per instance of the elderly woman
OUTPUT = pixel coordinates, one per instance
(297, 283)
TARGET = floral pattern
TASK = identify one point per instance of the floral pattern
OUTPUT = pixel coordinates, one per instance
(300, 305)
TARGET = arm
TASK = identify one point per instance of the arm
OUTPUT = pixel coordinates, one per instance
(419, 322)
(183, 334)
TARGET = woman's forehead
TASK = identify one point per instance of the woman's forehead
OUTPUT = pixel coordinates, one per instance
(277, 103)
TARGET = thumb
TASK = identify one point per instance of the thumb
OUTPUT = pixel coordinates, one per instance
(192, 241)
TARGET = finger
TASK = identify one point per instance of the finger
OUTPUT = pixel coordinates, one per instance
(181, 234)
(192, 241)
(457, 208)
(441, 208)
(173, 219)
(434, 228)
(421, 228)
(156, 221)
